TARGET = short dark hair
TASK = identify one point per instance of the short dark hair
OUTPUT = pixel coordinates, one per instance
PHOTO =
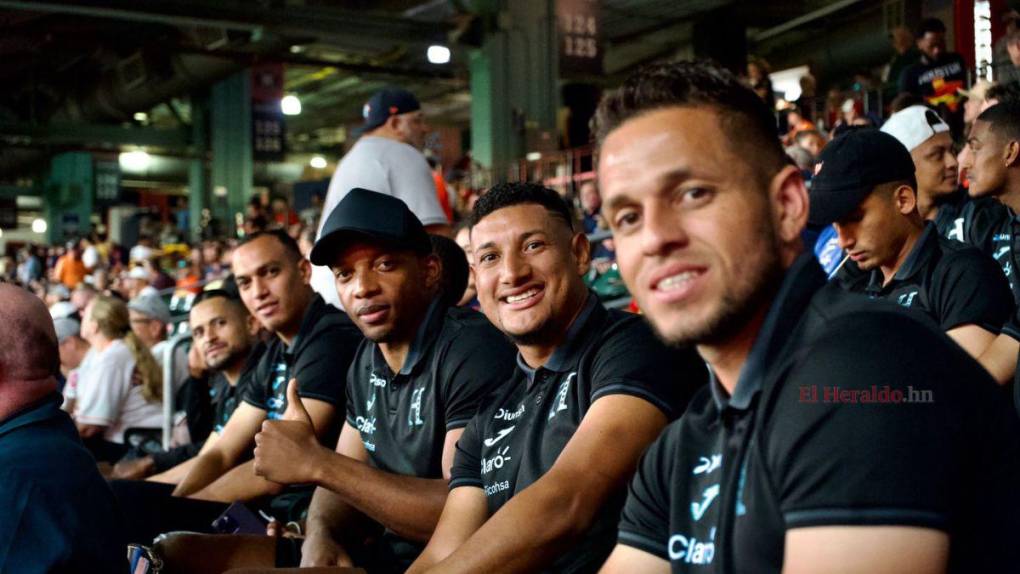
(745, 117)
(289, 245)
(933, 25)
(1004, 92)
(509, 194)
(1004, 118)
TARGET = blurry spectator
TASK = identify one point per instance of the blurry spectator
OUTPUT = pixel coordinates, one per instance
(191, 275)
(120, 385)
(142, 251)
(906, 55)
(591, 203)
(72, 347)
(811, 140)
(938, 75)
(282, 215)
(802, 158)
(311, 214)
(904, 101)
(1004, 68)
(974, 104)
(90, 255)
(387, 159)
(306, 240)
(442, 195)
(808, 99)
(57, 293)
(70, 270)
(1001, 92)
(463, 239)
(31, 268)
(796, 123)
(58, 513)
(758, 71)
(137, 282)
(158, 278)
(150, 318)
(212, 255)
(82, 296)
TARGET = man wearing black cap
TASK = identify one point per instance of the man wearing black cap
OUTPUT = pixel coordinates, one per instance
(386, 158)
(541, 471)
(837, 434)
(865, 185)
(414, 385)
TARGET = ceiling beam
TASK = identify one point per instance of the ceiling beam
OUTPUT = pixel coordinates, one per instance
(322, 22)
(61, 134)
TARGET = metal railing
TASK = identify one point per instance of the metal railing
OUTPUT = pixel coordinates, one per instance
(169, 356)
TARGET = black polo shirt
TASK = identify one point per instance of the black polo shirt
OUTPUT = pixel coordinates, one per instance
(987, 224)
(845, 413)
(521, 430)
(318, 356)
(456, 359)
(950, 282)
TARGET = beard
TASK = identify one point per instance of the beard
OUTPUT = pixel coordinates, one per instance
(230, 358)
(739, 301)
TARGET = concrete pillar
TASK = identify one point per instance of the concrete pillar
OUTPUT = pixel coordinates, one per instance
(198, 177)
(514, 87)
(232, 163)
(69, 196)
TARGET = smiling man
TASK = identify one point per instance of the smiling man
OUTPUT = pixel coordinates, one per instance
(767, 471)
(866, 187)
(541, 470)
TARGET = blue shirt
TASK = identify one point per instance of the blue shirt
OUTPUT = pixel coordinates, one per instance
(58, 514)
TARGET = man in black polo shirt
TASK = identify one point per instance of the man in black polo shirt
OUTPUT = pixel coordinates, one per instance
(312, 342)
(540, 473)
(865, 185)
(837, 434)
(224, 334)
(415, 383)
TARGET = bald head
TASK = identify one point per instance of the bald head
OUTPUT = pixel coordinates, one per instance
(28, 343)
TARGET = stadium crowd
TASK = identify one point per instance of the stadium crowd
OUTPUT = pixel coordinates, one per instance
(818, 377)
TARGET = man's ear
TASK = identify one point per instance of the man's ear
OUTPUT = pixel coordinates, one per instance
(305, 271)
(1012, 153)
(789, 198)
(433, 270)
(580, 247)
(252, 324)
(905, 198)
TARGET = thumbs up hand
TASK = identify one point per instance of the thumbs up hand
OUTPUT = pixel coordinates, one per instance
(287, 450)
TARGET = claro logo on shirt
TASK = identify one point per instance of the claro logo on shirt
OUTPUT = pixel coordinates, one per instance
(690, 550)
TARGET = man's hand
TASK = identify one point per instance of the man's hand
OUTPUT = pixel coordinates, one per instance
(287, 451)
(135, 469)
(321, 550)
(196, 362)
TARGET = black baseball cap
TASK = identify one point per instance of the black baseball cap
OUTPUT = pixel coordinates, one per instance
(379, 217)
(849, 168)
(385, 103)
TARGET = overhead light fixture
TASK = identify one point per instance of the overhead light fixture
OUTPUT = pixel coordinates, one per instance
(438, 54)
(141, 117)
(290, 105)
(318, 162)
(533, 156)
(137, 160)
(1, 232)
(39, 225)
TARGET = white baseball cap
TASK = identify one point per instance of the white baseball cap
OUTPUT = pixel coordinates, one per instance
(914, 125)
(62, 309)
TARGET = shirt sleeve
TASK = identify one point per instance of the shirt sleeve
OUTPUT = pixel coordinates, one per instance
(644, 522)
(971, 290)
(632, 361)
(467, 465)
(256, 390)
(413, 183)
(474, 366)
(104, 387)
(841, 461)
(320, 368)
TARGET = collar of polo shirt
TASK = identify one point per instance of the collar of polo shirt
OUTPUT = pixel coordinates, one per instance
(563, 357)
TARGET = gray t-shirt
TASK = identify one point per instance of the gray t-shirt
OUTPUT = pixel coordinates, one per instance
(387, 166)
